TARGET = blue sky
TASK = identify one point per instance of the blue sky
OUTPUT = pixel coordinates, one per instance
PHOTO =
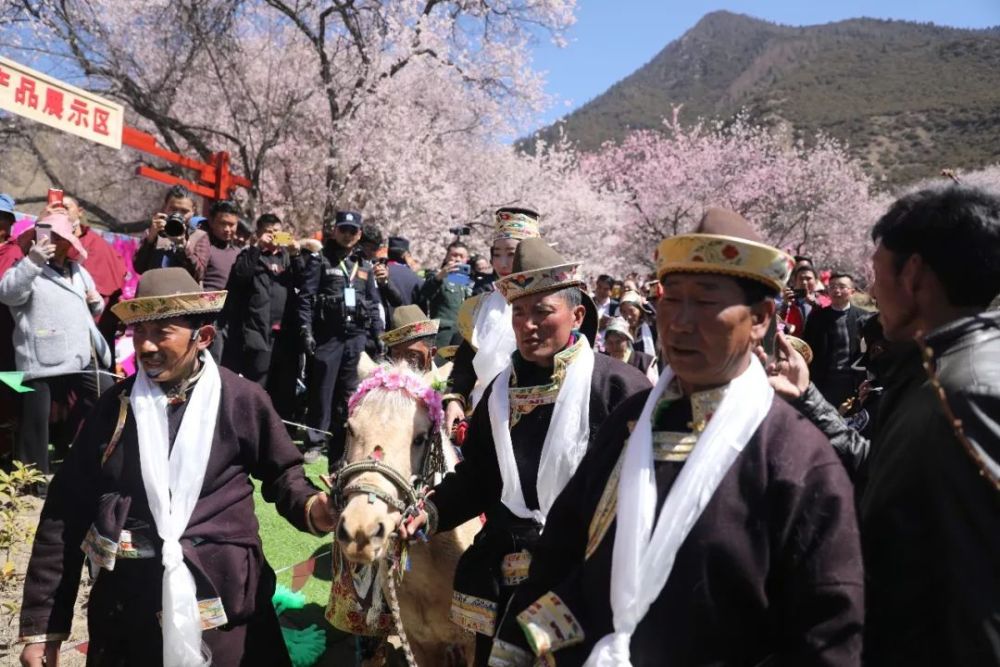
(613, 38)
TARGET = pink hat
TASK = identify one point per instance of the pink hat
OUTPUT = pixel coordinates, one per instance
(62, 226)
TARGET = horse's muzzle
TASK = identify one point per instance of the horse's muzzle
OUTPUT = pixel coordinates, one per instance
(361, 541)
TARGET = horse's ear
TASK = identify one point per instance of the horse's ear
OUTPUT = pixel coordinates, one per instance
(365, 366)
(438, 373)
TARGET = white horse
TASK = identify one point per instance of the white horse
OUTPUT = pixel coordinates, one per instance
(396, 446)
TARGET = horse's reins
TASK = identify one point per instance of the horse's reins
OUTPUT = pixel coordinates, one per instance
(411, 501)
(411, 494)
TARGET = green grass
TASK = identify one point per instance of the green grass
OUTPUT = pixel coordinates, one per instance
(286, 546)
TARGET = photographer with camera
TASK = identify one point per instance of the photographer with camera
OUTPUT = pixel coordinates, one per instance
(799, 300)
(445, 291)
(337, 304)
(165, 243)
(483, 275)
(258, 289)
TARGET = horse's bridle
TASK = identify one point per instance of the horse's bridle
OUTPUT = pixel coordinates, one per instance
(410, 492)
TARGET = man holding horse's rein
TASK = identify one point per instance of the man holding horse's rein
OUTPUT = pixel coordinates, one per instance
(534, 424)
(711, 524)
(156, 493)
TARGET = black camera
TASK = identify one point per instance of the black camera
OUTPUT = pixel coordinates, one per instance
(464, 230)
(175, 225)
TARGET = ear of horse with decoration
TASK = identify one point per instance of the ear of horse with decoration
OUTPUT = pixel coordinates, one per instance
(396, 451)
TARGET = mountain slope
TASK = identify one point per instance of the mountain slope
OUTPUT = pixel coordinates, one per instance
(909, 98)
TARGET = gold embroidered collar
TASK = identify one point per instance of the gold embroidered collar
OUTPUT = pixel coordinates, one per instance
(677, 445)
(525, 399)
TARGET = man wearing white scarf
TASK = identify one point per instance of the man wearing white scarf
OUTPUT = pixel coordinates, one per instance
(156, 494)
(535, 423)
(484, 320)
(710, 524)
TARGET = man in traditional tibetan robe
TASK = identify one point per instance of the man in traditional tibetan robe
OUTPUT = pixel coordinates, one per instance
(534, 424)
(710, 524)
(156, 493)
(484, 321)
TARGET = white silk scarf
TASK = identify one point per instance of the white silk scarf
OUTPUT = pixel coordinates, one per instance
(565, 441)
(643, 557)
(173, 481)
(493, 336)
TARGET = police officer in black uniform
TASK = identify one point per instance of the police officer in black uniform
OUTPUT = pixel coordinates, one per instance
(338, 314)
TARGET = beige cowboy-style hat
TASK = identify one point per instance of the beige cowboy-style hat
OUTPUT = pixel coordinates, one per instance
(165, 293)
(409, 323)
(539, 268)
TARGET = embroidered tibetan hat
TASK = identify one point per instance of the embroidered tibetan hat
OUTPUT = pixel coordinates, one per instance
(409, 323)
(725, 243)
(165, 293)
(539, 268)
(516, 223)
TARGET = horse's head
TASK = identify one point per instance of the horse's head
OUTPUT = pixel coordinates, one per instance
(393, 426)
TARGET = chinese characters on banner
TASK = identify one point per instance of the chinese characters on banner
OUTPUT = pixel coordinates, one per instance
(41, 98)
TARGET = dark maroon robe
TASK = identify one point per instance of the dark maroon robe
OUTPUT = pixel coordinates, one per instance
(476, 485)
(770, 574)
(221, 544)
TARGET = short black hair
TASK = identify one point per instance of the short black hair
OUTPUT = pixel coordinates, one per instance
(605, 278)
(805, 267)
(457, 244)
(803, 258)
(834, 276)
(223, 206)
(266, 220)
(371, 234)
(200, 320)
(754, 292)
(956, 231)
(178, 192)
(571, 296)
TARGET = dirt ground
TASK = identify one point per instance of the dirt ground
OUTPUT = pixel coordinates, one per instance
(10, 603)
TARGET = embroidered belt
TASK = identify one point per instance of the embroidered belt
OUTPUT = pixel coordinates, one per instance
(549, 625)
(514, 567)
(505, 654)
(103, 552)
(473, 613)
(211, 611)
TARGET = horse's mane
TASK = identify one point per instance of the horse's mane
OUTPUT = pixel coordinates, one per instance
(387, 401)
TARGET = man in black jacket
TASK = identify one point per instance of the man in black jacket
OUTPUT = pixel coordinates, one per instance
(928, 483)
(403, 278)
(834, 334)
(258, 294)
